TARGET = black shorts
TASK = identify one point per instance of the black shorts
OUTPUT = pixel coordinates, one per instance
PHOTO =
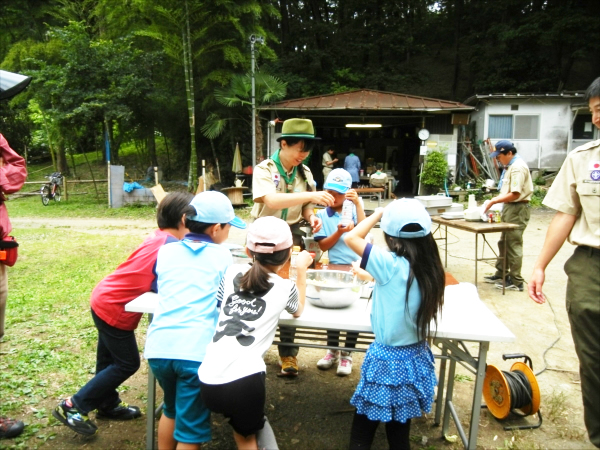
(241, 401)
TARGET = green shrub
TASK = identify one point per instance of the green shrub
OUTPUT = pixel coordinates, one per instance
(539, 181)
(434, 169)
(537, 197)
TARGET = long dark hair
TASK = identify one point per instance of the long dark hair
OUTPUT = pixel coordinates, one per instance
(425, 265)
(256, 280)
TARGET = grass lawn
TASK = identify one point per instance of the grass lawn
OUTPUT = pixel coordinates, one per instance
(49, 347)
(48, 351)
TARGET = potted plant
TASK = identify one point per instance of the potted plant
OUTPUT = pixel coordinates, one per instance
(434, 171)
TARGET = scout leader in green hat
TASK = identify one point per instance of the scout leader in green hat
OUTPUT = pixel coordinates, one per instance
(283, 187)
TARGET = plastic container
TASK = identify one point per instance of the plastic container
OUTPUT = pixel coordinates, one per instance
(293, 263)
(346, 213)
(430, 201)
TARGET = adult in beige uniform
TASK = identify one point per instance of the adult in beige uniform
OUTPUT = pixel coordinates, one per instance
(575, 195)
(283, 187)
(328, 163)
(516, 189)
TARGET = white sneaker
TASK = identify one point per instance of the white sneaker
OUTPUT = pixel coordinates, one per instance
(345, 365)
(330, 358)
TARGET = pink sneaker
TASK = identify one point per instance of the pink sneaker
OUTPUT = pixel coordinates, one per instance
(327, 361)
(345, 365)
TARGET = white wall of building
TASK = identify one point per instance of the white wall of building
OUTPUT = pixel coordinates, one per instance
(550, 148)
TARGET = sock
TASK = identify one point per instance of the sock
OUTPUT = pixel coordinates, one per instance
(69, 403)
(265, 438)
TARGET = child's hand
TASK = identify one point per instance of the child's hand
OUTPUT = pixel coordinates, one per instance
(345, 229)
(362, 274)
(352, 196)
(303, 260)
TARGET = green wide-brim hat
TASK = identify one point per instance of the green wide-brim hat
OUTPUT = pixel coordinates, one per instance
(297, 128)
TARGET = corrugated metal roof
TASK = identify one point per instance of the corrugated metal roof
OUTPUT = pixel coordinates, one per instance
(508, 95)
(368, 100)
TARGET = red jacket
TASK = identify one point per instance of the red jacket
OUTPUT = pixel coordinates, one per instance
(13, 173)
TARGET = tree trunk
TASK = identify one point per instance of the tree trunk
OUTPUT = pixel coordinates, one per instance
(189, 86)
(61, 158)
(151, 145)
(458, 11)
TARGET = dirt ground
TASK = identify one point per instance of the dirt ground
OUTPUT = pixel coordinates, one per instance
(313, 410)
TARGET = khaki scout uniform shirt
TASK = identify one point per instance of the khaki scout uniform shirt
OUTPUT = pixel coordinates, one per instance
(576, 191)
(518, 179)
(267, 180)
(379, 180)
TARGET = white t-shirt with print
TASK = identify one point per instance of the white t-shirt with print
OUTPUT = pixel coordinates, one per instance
(245, 328)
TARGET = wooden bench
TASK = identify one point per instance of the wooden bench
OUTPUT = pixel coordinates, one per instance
(369, 192)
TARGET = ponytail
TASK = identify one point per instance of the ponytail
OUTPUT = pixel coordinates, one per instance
(256, 280)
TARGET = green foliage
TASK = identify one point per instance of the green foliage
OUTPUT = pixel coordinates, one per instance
(538, 197)
(539, 181)
(434, 169)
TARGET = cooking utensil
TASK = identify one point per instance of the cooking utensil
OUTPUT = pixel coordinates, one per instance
(332, 288)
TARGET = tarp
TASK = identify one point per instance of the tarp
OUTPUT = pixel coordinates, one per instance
(128, 187)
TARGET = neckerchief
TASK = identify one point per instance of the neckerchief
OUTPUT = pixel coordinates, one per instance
(289, 181)
(517, 156)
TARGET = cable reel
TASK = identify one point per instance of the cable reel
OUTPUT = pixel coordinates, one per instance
(516, 391)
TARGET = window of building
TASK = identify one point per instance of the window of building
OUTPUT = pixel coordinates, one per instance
(514, 127)
(500, 127)
(582, 127)
(526, 127)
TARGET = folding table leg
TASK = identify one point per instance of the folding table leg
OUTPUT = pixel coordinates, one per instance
(476, 410)
(503, 262)
(439, 403)
(449, 393)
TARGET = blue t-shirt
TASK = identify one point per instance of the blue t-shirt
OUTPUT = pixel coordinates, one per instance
(189, 274)
(392, 323)
(339, 253)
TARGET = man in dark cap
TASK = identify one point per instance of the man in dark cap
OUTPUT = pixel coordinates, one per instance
(516, 188)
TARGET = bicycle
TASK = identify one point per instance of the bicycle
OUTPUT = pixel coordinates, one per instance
(51, 190)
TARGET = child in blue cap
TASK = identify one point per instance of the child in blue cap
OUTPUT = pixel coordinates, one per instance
(330, 238)
(398, 373)
(189, 274)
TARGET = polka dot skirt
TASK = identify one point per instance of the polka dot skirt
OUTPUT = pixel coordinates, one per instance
(397, 383)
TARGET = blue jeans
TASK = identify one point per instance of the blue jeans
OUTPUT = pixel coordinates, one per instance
(117, 358)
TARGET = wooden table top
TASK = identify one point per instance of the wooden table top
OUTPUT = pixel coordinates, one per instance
(475, 227)
(365, 190)
(234, 187)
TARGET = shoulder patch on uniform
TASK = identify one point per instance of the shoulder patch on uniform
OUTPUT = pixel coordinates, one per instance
(589, 146)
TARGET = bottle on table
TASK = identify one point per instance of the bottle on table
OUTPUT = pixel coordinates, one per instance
(324, 260)
(346, 213)
(293, 263)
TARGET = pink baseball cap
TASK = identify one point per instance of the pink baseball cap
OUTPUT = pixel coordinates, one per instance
(268, 235)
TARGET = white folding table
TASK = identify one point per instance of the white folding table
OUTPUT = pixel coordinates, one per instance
(464, 318)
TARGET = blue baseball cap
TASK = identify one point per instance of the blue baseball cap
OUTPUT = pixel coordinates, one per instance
(502, 147)
(338, 180)
(403, 212)
(214, 207)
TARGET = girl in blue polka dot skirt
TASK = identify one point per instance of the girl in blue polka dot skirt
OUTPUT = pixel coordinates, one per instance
(398, 374)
